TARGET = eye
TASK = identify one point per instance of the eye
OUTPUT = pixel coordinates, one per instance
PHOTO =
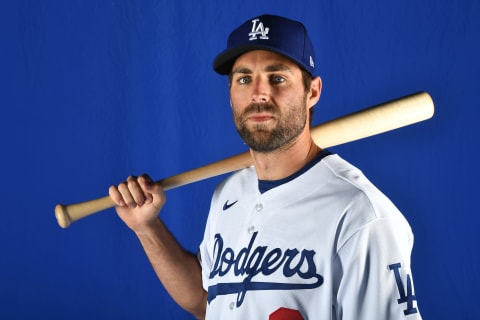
(277, 79)
(244, 80)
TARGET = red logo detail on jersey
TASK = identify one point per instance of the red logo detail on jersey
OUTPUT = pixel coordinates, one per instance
(285, 314)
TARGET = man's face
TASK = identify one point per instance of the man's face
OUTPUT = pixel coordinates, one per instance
(269, 101)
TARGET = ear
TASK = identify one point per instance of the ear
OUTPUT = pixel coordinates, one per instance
(314, 93)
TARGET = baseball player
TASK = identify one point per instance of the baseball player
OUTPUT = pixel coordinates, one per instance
(301, 235)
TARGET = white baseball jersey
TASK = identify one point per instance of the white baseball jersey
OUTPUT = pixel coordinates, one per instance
(323, 244)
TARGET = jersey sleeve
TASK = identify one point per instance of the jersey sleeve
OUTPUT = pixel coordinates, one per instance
(373, 279)
(204, 254)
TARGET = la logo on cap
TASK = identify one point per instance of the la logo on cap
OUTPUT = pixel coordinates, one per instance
(258, 30)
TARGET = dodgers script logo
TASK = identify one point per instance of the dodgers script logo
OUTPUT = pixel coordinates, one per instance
(261, 260)
(258, 30)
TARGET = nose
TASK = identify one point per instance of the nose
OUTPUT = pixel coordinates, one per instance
(261, 90)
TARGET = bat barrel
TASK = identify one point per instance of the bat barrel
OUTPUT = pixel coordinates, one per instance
(374, 120)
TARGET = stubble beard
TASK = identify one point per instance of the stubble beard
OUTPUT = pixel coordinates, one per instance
(264, 140)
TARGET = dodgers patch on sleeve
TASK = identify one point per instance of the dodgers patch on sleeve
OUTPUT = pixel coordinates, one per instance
(406, 296)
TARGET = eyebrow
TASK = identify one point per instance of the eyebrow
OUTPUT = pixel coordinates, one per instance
(242, 70)
(270, 68)
(278, 67)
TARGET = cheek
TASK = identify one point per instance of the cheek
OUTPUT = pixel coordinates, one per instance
(238, 98)
(238, 103)
(236, 111)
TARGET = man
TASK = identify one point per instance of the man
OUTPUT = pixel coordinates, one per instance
(301, 235)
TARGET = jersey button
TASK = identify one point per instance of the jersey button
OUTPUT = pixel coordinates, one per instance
(251, 229)
(232, 305)
(259, 207)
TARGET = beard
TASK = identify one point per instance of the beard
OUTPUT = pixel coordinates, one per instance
(260, 138)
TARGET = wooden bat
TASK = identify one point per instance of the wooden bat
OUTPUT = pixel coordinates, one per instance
(364, 123)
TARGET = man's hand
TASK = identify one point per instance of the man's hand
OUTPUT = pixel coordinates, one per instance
(138, 201)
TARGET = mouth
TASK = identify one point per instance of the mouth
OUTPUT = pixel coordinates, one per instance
(260, 117)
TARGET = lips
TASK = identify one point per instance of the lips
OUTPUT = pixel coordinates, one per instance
(260, 117)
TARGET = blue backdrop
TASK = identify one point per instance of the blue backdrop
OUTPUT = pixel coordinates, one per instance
(93, 91)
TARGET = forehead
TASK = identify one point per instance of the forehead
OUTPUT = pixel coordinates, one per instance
(263, 59)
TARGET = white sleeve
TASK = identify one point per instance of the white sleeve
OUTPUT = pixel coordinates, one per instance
(372, 272)
(204, 254)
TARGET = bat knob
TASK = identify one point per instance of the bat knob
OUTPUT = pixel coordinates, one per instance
(62, 216)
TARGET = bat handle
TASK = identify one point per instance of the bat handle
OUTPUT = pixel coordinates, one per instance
(67, 214)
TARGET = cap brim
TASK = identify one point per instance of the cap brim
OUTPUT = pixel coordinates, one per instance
(223, 63)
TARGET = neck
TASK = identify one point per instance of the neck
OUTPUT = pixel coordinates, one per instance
(285, 162)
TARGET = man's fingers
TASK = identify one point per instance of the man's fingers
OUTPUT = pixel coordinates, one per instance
(127, 196)
(116, 196)
(152, 190)
(136, 191)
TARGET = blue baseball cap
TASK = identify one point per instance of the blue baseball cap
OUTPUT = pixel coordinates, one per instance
(268, 32)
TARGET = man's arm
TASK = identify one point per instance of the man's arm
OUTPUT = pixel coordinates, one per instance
(374, 275)
(138, 203)
(178, 270)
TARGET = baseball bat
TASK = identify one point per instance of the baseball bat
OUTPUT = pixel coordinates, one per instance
(358, 125)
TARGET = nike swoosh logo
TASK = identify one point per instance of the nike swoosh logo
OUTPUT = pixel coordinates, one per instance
(227, 205)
